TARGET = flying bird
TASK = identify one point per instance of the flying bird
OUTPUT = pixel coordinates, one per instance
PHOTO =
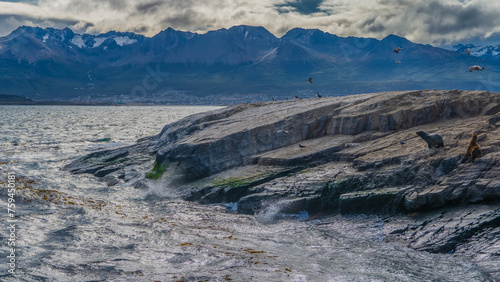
(310, 80)
(397, 50)
(476, 67)
(317, 93)
(467, 51)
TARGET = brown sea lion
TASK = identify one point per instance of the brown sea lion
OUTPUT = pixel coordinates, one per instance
(433, 140)
(473, 150)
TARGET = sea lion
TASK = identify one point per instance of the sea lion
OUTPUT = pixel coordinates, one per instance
(473, 150)
(433, 140)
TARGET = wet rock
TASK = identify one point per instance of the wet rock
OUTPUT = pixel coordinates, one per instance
(141, 184)
(253, 203)
(385, 201)
(102, 163)
(495, 120)
(293, 206)
(214, 195)
(131, 174)
(110, 180)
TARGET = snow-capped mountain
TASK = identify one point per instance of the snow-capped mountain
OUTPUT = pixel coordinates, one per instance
(486, 52)
(52, 63)
(32, 44)
(119, 38)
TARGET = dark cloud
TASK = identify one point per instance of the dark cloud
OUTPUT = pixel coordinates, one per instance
(284, 29)
(23, 1)
(149, 7)
(140, 29)
(435, 21)
(117, 4)
(440, 18)
(183, 19)
(11, 22)
(82, 27)
(305, 7)
(373, 25)
(493, 39)
(423, 21)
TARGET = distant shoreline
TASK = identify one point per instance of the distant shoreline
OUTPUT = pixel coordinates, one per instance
(50, 103)
(13, 100)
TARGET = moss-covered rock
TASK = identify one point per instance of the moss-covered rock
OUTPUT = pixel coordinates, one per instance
(157, 171)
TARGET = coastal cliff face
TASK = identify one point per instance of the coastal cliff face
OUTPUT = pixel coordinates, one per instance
(357, 154)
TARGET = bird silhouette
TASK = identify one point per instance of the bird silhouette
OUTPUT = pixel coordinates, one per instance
(319, 96)
(310, 80)
(476, 67)
(467, 51)
(301, 146)
(397, 50)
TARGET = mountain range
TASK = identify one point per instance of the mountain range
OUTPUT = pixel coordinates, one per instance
(239, 63)
(486, 52)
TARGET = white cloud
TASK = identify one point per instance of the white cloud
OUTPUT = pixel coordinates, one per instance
(424, 21)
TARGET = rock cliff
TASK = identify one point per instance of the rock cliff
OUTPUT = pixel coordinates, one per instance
(353, 154)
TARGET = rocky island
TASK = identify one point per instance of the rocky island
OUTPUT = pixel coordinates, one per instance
(348, 155)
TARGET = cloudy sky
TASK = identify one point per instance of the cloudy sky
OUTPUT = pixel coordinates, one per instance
(438, 22)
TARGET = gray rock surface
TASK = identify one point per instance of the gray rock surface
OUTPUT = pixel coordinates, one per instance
(358, 154)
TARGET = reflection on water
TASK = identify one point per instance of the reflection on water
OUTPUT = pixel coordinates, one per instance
(72, 227)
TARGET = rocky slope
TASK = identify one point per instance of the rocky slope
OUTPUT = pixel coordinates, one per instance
(354, 154)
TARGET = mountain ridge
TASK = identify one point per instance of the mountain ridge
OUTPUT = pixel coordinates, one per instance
(248, 61)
